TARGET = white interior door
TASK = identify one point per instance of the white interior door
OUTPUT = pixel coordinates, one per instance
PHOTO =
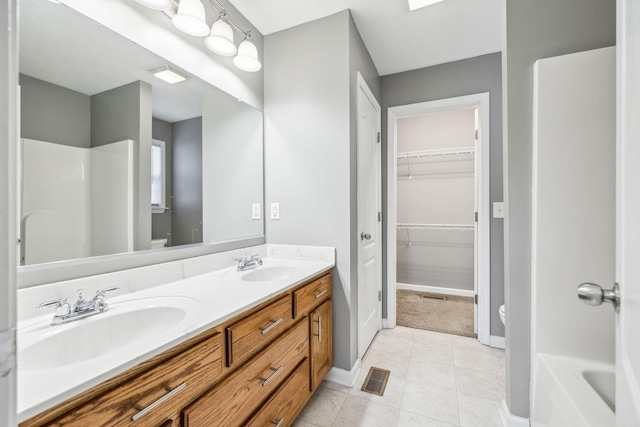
(628, 214)
(8, 202)
(369, 219)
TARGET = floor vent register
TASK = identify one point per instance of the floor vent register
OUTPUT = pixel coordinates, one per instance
(376, 381)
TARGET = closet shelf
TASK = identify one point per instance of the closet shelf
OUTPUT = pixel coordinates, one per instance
(447, 227)
(435, 153)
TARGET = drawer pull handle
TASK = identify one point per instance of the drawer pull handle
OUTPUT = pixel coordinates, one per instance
(145, 411)
(319, 334)
(266, 381)
(319, 294)
(278, 423)
(273, 324)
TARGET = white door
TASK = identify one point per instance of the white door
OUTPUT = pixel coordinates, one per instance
(369, 220)
(8, 191)
(628, 214)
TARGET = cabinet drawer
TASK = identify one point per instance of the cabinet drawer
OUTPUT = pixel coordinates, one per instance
(283, 408)
(230, 402)
(186, 375)
(311, 295)
(250, 334)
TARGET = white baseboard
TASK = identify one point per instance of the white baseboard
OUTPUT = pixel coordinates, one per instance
(435, 290)
(497, 342)
(344, 377)
(510, 420)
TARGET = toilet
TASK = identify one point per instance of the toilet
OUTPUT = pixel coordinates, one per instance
(158, 243)
(501, 313)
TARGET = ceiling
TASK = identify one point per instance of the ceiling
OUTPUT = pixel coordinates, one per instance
(398, 40)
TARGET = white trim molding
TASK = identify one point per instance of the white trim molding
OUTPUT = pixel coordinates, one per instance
(344, 377)
(510, 420)
(497, 342)
(480, 100)
(435, 290)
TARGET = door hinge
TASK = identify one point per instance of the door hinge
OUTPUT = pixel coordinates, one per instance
(378, 136)
(7, 352)
(475, 299)
(379, 295)
(476, 216)
(476, 134)
(379, 216)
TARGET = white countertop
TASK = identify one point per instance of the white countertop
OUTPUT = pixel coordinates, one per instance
(214, 297)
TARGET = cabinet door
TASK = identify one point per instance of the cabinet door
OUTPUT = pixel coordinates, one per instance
(321, 343)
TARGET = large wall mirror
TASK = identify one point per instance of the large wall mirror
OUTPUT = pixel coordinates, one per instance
(115, 160)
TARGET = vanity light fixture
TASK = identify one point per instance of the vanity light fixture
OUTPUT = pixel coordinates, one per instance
(169, 74)
(418, 4)
(247, 57)
(220, 39)
(190, 18)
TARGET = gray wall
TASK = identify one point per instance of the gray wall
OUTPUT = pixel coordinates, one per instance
(53, 113)
(469, 76)
(161, 222)
(310, 152)
(232, 156)
(534, 30)
(186, 218)
(125, 113)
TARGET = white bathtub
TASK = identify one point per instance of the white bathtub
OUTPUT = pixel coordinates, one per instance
(571, 392)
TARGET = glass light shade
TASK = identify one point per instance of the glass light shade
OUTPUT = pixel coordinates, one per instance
(191, 18)
(247, 57)
(220, 39)
(156, 4)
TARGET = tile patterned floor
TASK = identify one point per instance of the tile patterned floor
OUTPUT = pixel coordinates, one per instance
(437, 380)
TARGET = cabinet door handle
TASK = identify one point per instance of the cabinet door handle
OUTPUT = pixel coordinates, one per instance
(144, 411)
(319, 334)
(266, 381)
(277, 423)
(319, 294)
(273, 324)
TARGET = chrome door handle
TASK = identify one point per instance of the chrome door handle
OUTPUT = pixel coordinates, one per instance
(319, 334)
(592, 294)
(365, 236)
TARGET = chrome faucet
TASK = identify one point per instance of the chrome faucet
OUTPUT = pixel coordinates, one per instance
(245, 263)
(81, 309)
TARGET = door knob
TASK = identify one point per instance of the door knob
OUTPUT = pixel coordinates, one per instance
(593, 294)
(365, 236)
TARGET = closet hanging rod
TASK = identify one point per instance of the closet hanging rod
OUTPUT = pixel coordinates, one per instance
(448, 227)
(434, 153)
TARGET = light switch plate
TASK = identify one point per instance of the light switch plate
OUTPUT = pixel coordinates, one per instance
(498, 209)
(255, 211)
(275, 210)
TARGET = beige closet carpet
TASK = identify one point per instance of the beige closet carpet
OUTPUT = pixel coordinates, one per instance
(423, 310)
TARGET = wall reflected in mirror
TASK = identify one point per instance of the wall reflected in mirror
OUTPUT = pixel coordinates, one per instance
(92, 114)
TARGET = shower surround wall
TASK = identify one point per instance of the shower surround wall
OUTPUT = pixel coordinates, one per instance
(76, 202)
(436, 190)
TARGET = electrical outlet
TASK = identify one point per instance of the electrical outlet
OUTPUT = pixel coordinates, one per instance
(498, 209)
(275, 210)
(255, 211)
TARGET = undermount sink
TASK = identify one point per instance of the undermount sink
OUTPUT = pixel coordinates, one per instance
(269, 273)
(126, 324)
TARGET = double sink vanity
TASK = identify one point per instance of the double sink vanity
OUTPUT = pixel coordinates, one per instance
(193, 342)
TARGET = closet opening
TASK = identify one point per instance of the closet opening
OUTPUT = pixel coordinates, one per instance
(438, 216)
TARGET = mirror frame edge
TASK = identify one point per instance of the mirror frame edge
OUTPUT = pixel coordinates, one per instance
(42, 274)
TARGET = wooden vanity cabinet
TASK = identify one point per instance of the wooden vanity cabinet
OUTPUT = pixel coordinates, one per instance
(254, 369)
(321, 343)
